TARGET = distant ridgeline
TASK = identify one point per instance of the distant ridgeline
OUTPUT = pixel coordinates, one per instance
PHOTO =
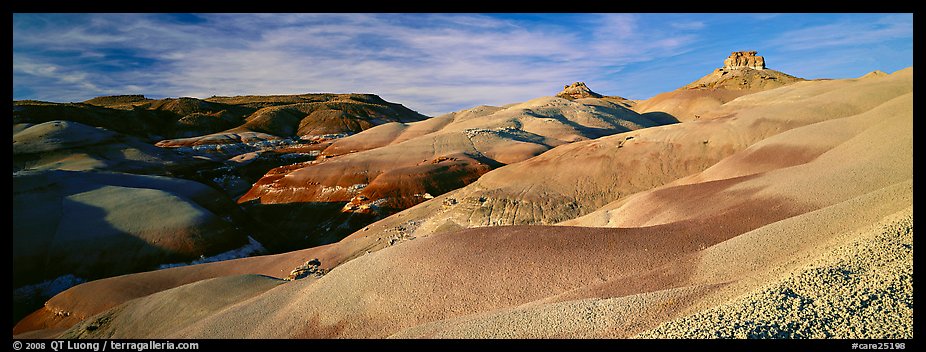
(278, 115)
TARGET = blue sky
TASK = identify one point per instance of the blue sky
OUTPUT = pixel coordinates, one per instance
(432, 63)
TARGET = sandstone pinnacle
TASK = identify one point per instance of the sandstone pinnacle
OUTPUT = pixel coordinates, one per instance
(743, 59)
(577, 90)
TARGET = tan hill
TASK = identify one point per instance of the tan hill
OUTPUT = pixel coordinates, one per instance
(395, 166)
(136, 115)
(743, 73)
(93, 224)
(43, 149)
(300, 115)
(874, 74)
(119, 101)
(550, 188)
(177, 219)
(73, 198)
(56, 161)
(768, 195)
(136, 122)
(274, 130)
(282, 116)
(68, 145)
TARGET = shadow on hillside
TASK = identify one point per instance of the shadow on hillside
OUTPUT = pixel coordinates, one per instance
(661, 118)
(90, 251)
(300, 225)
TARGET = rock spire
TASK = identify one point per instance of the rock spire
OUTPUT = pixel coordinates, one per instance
(577, 90)
(744, 59)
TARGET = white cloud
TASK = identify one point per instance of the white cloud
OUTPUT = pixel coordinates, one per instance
(846, 33)
(65, 77)
(430, 70)
(429, 62)
(688, 25)
(433, 63)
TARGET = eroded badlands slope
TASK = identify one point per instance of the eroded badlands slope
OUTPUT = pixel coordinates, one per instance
(391, 167)
(679, 220)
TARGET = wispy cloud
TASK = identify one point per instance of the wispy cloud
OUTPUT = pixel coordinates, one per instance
(433, 63)
(847, 32)
(55, 74)
(688, 25)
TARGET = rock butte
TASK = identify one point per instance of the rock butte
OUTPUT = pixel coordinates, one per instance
(744, 59)
(577, 90)
(742, 73)
(743, 70)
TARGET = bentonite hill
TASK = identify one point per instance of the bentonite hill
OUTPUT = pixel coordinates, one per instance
(746, 204)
